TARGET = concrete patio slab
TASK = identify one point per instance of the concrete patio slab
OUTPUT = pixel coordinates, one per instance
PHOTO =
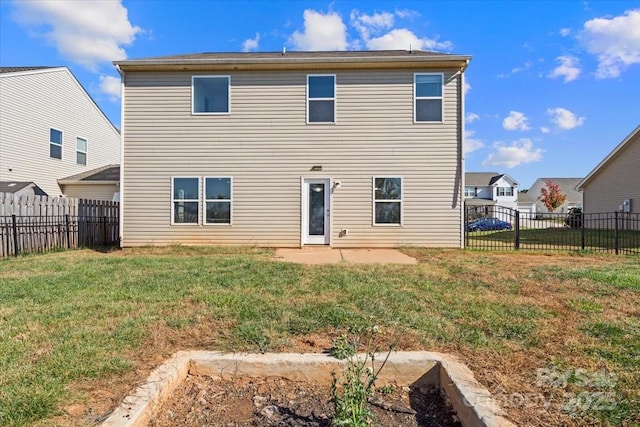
(327, 255)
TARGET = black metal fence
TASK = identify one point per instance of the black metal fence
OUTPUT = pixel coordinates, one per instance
(27, 234)
(500, 228)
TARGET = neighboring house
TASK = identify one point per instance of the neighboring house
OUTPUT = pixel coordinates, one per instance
(98, 184)
(526, 205)
(490, 188)
(18, 188)
(614, 184)
(567, 187)
(50, 128)
(348, 149)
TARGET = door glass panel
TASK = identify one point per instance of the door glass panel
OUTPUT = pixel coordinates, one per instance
(316, 209)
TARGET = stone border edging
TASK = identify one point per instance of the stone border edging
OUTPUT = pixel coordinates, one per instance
(472, 402)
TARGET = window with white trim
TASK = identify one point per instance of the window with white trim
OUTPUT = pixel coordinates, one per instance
(185, 200)
(387, 200)
(428, 105)
(81, 151)
(210, 94)
(470, 191)
(505, 191)
(55, 143)
(217, 201)
(321, 98)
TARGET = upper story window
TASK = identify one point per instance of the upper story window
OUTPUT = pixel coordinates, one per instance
(387, 200)
(55, 143)
(217, 200)
(470, 192)
(505, 191)
(210, 94)
(185, 200)
(81, 151)
(321, 99)
(428, 103)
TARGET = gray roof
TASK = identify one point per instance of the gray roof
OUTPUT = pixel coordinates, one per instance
(524, 198)
(104, 173)
(300, 55)
(15, 186)
(567, 186)
(484, 179)
(20, 69)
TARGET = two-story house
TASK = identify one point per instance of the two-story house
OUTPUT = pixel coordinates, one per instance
(348, 149)
(50, 128)
(490, 188)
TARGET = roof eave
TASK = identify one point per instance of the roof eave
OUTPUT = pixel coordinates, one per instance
(249, 64)
(87, 182)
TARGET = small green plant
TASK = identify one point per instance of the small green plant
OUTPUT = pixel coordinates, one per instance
(387, 389)
(351, 400)
(343, 348)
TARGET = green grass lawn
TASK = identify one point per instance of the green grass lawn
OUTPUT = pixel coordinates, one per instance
(563, 238)
(79, 329)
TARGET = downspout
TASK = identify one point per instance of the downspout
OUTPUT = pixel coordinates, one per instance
(122, 132)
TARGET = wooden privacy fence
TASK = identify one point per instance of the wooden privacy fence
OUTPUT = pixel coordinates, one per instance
(40, 223)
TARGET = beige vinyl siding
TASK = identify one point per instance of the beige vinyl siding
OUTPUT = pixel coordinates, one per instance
(616, 181)
(265, 145)
(90, 191)
(31, 104)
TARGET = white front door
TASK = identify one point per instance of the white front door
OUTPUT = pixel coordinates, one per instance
(316, 196)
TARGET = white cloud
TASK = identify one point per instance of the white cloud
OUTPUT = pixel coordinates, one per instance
(524, 67)
(467, 87)
(321, 32)
(471, 117)
(516, 121)
(564, 118)
(564, 32)
(401, 38)
(569, 68)
(472, 144)
(545, 129)
(406, 14)
(251, 44)
(111, 86)
(518, 152)
(87, 33)
(615, 42)
(367, 25)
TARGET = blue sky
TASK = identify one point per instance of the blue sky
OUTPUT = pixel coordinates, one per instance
(553, 86)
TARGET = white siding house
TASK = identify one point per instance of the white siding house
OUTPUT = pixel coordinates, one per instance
(50, 128)
(348, 149)
(490, 188)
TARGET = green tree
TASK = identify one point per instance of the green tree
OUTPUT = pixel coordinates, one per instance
(551, 196)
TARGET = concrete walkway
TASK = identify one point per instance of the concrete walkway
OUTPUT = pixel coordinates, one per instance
(327, 255)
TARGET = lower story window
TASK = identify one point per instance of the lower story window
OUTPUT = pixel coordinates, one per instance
(185, 200)
(217, 200)
(387, 197)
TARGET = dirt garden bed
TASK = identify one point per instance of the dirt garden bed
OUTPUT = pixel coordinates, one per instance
(276, 401)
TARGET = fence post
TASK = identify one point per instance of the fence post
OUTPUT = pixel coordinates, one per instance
(582, 231)
(617, 234)
(517, 228)
(104, 231)
(66, 223)
(16, 250)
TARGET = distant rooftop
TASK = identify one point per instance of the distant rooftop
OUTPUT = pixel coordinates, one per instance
(21, 69)
(104, 173)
